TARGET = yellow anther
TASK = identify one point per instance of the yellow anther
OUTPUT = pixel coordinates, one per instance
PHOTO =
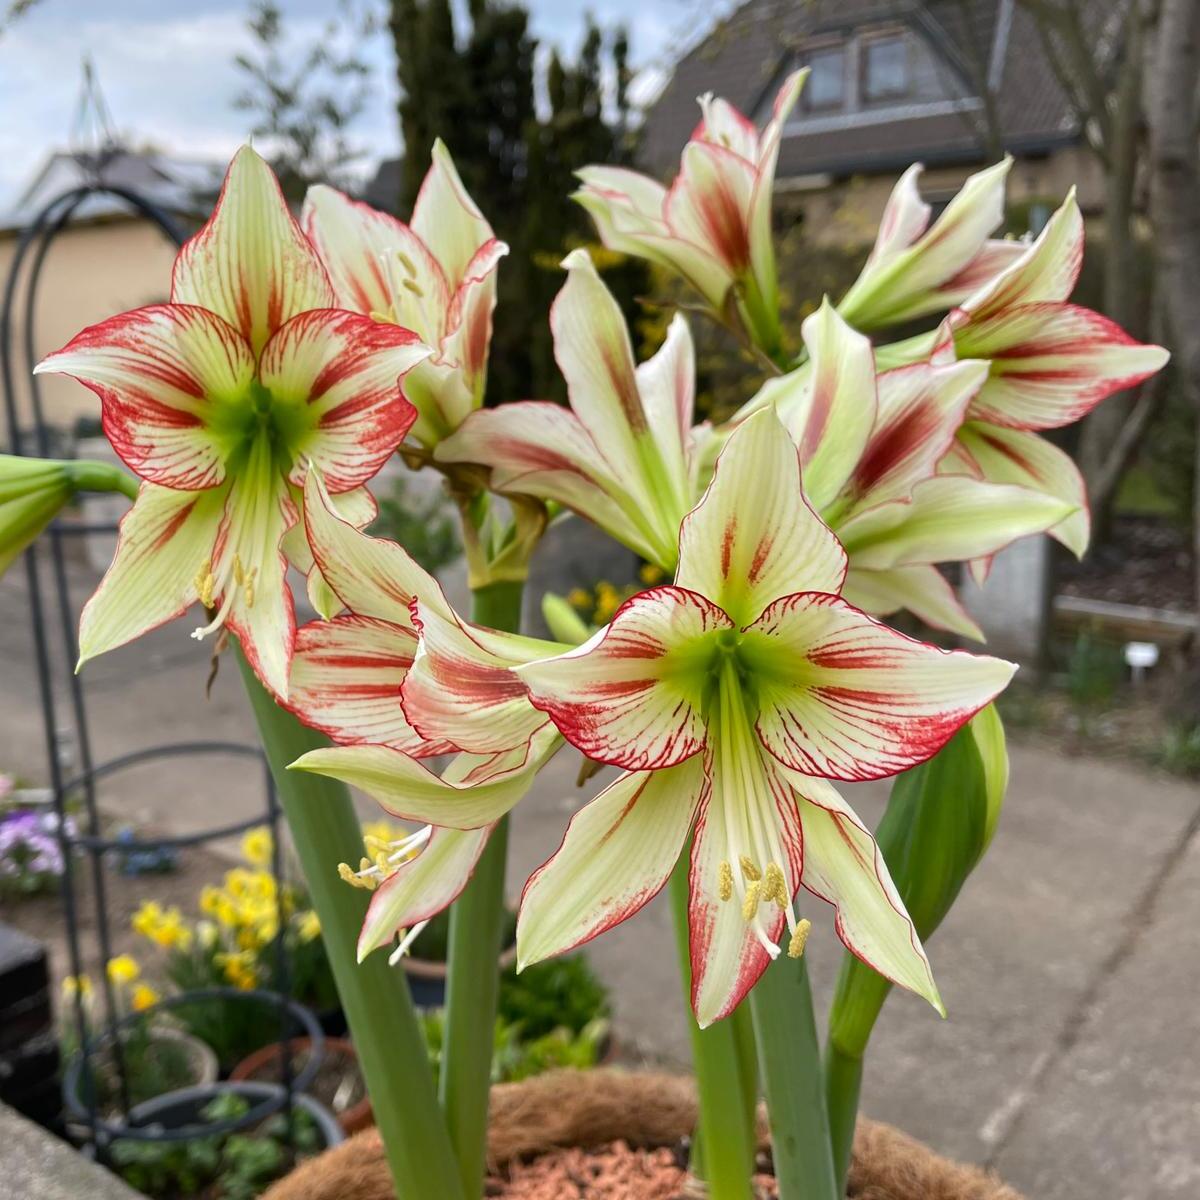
(239, 572)
(414, 287)
(749, 870)
(751, 899)
(375, 845)
(406, 262)
(384, 318)
(357, 878)
(205, 583)
(798, 938)
(725, 881)
(775, 886)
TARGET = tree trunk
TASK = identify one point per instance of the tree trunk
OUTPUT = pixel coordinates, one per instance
(1106, 430)
(1175, 194)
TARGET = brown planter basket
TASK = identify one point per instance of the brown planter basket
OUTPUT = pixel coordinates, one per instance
(570, 1108)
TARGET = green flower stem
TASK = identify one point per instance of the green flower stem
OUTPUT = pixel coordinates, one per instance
(89, 476)
(843, 1082)
(473, 975)
(724, 1131)
(742, 1024)
(857, 1003)
(789, 1059)
(379, 1011)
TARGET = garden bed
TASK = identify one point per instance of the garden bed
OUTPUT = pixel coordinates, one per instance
(43, 916)
(1145, 561)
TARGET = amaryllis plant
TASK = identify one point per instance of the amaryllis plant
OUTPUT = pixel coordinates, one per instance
(295, 357)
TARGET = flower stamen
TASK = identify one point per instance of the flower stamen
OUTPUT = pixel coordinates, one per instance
(385, 858)
(799, 938)
(725, 881)
(205, 583)
(406, 942)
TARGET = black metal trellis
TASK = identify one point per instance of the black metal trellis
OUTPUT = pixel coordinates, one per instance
(52, 615)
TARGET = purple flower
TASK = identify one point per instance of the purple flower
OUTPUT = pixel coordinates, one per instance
(29, 848)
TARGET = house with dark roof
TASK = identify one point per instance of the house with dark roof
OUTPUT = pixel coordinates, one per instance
(948, 83)
(106, 260)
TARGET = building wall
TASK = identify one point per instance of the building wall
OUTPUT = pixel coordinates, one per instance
(91, 272)
(845, 212)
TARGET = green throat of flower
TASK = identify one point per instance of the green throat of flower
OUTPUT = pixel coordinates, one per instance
(262, 428)
(730, 667)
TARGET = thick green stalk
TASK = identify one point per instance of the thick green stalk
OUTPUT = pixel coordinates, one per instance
(391, 1047)
(789, 1060)
(859, 997)
(843, 1082)
(742, 1024)
(473, 976)
(724, 1131)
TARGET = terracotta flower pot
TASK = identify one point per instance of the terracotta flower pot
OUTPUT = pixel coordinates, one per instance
(264, 1066)
(593, 1108)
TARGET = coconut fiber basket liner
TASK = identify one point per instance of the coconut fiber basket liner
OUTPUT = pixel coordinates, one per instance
(591, 1108)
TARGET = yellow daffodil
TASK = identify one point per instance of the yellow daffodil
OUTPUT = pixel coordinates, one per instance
(143, 997)
(123, 969)
(258, 846)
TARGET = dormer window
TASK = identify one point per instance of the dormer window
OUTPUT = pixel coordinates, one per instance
(885, 68)
(826, 86)
(868, 75)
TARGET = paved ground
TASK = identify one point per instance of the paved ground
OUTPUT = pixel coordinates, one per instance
(1070, 966)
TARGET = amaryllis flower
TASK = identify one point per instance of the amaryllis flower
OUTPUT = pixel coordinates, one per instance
(348, 677)
(916, 267)
(219, 401)
(622, 455)
(713, 225)
(870, 447)
(732, 697)
(1051, 362)
(436, 276)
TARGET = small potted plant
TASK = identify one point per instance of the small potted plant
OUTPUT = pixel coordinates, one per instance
(338, 1082)
(238, 1159)
(153, 1054)
(234, 944)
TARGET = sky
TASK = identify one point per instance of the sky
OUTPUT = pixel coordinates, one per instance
(166, 68)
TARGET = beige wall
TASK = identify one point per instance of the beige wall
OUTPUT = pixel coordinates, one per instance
(91, 272)
(846, 213)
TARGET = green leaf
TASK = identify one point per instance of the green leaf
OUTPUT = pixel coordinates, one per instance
(938, 823)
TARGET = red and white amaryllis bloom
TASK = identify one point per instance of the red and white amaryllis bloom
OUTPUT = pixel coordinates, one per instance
(713, 225)
(1051, 362)
(360, 678)
(622, 454)
(219, 400)
(916, 267)
(870, 446)
(732, 697)
(436, 275)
